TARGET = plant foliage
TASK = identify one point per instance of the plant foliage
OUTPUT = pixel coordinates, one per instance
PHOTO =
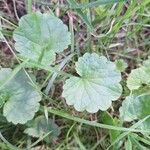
(19, 98)
(97, 85)
(40, 36)
(136, 105)
(90, 84)
(41, 126)
(139, 76)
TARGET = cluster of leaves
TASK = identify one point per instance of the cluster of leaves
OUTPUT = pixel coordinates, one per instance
(38, 38)
(136, 105)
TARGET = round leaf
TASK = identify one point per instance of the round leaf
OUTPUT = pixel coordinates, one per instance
(41, 126)
(40, 36)
(136, 107)
(97, 86)
(139, 76)
(22, 99)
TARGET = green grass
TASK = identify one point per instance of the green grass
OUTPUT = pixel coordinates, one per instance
(116, 30)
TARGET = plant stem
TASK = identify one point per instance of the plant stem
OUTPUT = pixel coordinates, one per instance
(29, 6)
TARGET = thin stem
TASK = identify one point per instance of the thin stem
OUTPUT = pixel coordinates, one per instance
(29, 6)
(9, 22)
(15, 10)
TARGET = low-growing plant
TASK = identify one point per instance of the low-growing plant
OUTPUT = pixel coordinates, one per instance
(93, 86)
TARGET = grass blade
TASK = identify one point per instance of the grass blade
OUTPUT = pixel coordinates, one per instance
(11, 147)
(92, 123)
(93, 4)
(126, 133)
(80, 13)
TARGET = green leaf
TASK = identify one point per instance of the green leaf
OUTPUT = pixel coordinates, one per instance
(139, 76)
(136, 107)
(41, 126)
(108, 119)
(22, 100)
(97, 86)
(121, 65)
(40, 36)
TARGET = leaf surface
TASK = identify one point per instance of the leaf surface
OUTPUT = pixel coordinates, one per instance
(22, 100)
(97, 86)
(40, 36)
(136, 107)
(41, 126)
(139, 76)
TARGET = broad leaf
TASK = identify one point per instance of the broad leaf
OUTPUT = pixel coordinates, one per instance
(40, 36)
(136, 107)
(97, 85)
(139, 76)
(22, 100)
(41, 126)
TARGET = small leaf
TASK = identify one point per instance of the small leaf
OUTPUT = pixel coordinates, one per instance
(97, 86)
(139, 76)
(121, 65)
(22, 100)
(40, 36)
(136, 107)
(109, 120)
(41, 126)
